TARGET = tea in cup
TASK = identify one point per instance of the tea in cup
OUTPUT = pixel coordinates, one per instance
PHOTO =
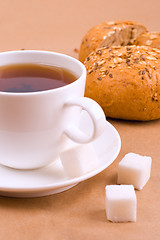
(41, 99)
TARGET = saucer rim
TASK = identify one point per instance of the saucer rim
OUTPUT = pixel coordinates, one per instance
(69, 181)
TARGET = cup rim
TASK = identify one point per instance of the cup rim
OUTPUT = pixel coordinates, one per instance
(81, 65)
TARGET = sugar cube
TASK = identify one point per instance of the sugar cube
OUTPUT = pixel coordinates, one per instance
(79, 160)
(121, 203)
(134, 169)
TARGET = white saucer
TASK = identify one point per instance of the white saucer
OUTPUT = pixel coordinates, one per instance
(51, 179)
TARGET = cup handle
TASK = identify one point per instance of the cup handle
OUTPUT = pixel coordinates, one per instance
(97, 116)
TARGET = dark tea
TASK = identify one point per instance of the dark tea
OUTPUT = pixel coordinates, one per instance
(33, 77)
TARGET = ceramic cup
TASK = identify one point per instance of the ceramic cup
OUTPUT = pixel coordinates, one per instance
(35, 126)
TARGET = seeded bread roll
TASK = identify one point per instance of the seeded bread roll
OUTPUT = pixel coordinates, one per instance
(149, 39)
(125, 81)
(110, 34)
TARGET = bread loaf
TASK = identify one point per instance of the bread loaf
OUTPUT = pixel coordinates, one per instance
(110, 34)
(149, 39)
(125, 81)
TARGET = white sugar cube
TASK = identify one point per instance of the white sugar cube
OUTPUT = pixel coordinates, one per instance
(134, 169)
(121, 203)
(79, 160)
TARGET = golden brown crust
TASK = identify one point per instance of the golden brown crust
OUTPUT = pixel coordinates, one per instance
(125, 81)
(149, 39)
(108, 34)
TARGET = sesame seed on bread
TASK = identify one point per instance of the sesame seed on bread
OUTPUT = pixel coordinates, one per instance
(125, 81)
(109, 34)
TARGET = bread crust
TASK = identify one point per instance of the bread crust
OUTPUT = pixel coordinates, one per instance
(108, 34)
(149, 39)
(125, 81)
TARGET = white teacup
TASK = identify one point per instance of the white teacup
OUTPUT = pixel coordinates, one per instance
(33, 125)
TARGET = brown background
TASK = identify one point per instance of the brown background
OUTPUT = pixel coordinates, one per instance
(79, 213)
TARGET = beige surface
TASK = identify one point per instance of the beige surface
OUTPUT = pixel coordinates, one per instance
(79, 213)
